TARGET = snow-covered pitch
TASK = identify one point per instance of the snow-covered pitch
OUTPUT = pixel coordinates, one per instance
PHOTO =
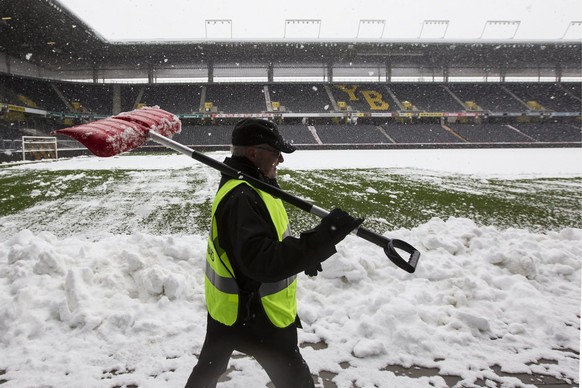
(105, 309)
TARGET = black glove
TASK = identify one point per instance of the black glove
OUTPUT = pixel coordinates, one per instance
(313, 270)
(338, 224)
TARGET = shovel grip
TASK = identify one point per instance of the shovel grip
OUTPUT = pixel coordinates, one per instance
(387, 244)
(390, 246)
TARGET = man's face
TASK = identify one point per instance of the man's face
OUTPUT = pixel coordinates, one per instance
(266, 159)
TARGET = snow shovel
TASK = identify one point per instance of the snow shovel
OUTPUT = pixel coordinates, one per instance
(129, 130)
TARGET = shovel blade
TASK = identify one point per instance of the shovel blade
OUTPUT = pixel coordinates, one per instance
(123, 132)
(155, 119)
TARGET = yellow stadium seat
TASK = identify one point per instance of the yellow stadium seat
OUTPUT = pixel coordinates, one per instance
(472, 105)
(534, 105)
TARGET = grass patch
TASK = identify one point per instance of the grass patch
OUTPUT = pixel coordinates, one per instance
(178, 201)
(389, 201)
(22, 189)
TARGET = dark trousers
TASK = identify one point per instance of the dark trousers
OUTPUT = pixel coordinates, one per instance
(274, 349)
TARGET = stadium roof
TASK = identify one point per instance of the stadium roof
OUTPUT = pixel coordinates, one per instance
(71, 34)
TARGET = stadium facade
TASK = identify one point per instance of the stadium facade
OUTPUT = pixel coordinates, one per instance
(56, 71)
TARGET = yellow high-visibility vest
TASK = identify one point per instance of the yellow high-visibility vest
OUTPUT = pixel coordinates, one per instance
(279, 299)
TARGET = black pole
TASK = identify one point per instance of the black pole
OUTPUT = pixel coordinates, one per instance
(389, 245)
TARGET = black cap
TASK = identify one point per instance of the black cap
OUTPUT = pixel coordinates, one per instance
(248, 132)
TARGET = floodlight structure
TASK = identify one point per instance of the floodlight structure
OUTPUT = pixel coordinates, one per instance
(371, 29)
(573, 31)
(218, 29)
(302, 28)
(500, 29)
(434, 29)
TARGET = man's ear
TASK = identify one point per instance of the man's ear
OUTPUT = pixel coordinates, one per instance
(251, 153)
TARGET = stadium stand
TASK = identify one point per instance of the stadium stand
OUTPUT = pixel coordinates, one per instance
(420, 134)
(88, 98)
(219, 135)
(302, 98)
(205, 135)
(491, 97)
(33, 93)
(550, 132)
(8, 132)
(422, 97)
(545, 97)
(236, 98)
(130, 96)
(363, 98)
(298, 134)
(351, 134)
(178, 99)
(489, 133)
(574, 89)
(346, 94)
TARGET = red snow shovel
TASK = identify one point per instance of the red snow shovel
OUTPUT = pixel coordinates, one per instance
(129, 130)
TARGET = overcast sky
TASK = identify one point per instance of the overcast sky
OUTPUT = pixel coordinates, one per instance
(338, 20)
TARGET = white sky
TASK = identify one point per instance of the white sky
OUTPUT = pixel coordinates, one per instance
(340, 20)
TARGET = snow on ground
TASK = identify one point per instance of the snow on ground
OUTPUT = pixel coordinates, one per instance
(506, 163)
(128, 310)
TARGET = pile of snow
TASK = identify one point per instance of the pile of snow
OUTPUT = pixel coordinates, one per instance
(127, 310)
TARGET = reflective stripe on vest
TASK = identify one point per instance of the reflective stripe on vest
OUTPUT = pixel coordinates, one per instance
(221, 290)
(267, 289)
(228, 285)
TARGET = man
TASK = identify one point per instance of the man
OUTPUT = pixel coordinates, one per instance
(252, 263)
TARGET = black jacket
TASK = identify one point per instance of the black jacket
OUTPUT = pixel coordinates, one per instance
(248, 236)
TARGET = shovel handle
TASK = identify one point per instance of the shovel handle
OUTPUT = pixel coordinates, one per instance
(389, 245)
